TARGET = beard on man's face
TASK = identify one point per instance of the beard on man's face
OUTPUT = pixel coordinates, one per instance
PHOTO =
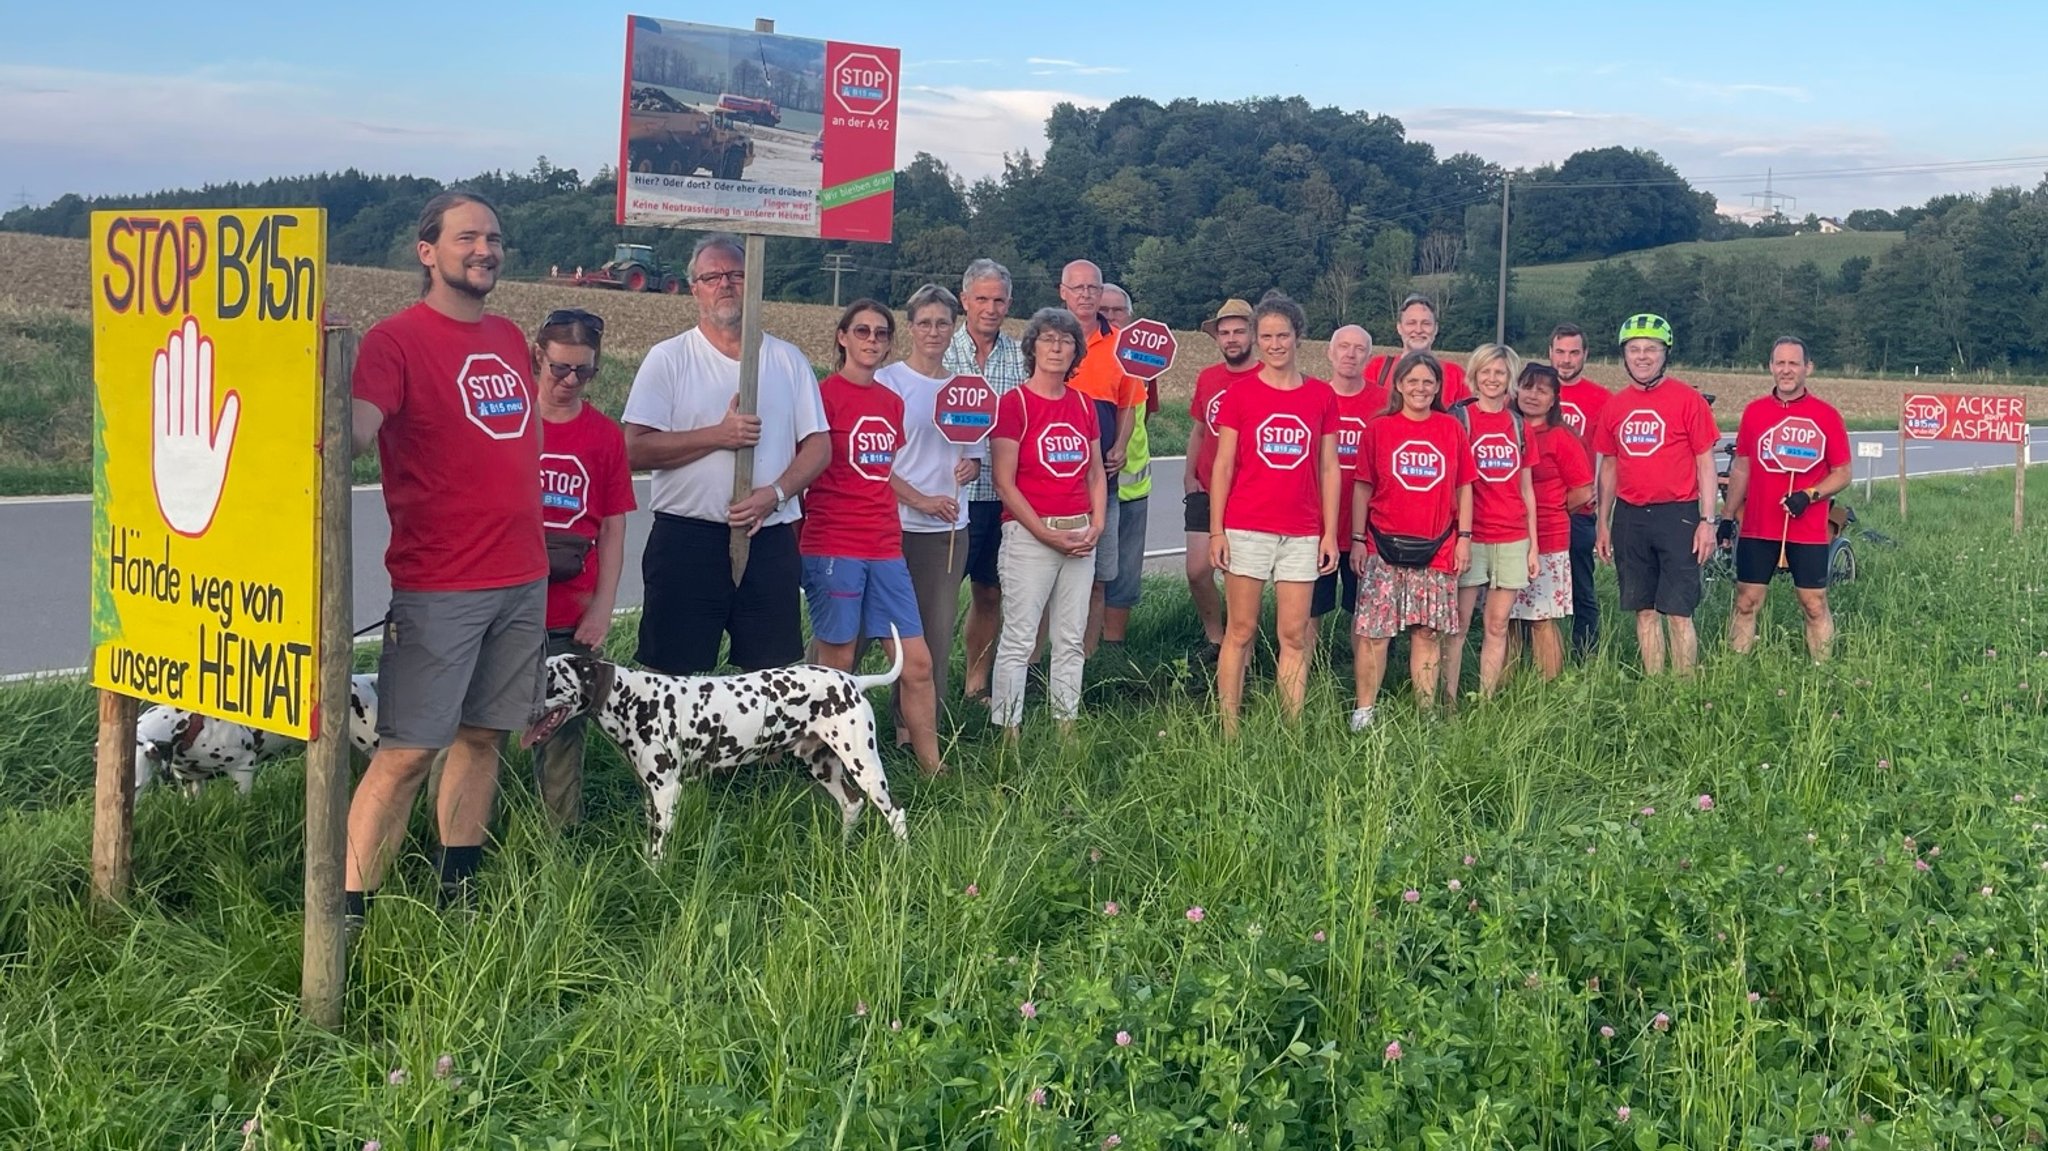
(464, 280)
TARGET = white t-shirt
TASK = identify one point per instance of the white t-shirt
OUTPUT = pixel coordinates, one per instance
(685, 384)
(927, 458)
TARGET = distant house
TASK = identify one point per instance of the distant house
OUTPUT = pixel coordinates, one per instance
(1829, 224)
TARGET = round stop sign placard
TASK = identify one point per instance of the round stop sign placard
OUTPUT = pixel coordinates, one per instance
(965, 411)
(862, 84)
(1145, 349)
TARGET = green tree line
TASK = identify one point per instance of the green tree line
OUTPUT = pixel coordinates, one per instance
(1189, 202)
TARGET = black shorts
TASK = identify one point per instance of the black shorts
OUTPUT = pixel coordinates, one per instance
(1195, 514)
(1325, 596)
(984, 541)
(1756, 561)
(1653, 559)
(690, 603)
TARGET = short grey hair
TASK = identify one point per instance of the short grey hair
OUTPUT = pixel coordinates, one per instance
(1120, 290)
(984, 269)
(928, 295)
(1053, 320)
(725, 240)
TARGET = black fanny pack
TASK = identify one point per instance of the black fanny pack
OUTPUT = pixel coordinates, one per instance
(1408, 551)
(567, 552)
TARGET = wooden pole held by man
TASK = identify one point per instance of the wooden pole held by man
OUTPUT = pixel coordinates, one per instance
(323, 969)
(750, 374)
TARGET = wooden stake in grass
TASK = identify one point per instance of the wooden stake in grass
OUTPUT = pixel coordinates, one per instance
(323, 970)
(113, 805)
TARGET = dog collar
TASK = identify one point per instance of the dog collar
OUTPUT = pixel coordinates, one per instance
(603, 673)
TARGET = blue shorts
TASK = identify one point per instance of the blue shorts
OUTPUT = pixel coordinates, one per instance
(858, 599)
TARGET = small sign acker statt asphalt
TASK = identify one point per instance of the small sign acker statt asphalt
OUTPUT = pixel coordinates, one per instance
(1145, 348)
(1971, 419)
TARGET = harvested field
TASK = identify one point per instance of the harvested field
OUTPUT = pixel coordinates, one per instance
(51, 272)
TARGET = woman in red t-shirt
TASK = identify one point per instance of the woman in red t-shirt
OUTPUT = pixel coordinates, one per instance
(1411, 532)
(1272, 504)
(1046, 453)
(586, 489)
(1503, 516)
(855, 581)
(1562, 478)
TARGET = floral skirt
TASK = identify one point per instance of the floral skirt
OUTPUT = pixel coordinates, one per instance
(1549, 595)
(1393, 599)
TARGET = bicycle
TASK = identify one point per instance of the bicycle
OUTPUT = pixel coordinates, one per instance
(1842, 564)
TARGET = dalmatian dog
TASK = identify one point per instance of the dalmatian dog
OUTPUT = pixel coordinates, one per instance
(678, 729)
(191, 748)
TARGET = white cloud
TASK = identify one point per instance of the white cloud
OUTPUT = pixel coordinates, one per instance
(1047, 66)
(972, 129)
(76, 130)
(1821, 164)
(1732, 92)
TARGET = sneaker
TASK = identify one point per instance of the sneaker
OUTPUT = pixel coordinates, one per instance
(1361, 718)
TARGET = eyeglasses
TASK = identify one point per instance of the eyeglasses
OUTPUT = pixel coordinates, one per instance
(864, 332)
(1083, 289)
(1051, 340)
(582, 372)
(934, 325)
(711, 279)
(575, 316)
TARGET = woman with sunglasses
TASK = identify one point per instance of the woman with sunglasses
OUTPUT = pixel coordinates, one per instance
(856, 583)
(586, 489)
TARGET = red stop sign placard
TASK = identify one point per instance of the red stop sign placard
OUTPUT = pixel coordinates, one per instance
(965, 411)
(1145, 349)
(863, 84)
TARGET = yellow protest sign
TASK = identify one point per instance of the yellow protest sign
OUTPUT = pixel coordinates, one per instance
(206, 428)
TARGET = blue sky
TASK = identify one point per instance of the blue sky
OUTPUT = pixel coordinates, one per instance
(111, 97)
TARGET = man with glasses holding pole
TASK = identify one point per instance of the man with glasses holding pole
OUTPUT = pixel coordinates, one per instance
(682, 420)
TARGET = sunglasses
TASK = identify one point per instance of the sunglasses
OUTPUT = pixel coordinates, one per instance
(582, 372)
(574, 316)
(864, 332)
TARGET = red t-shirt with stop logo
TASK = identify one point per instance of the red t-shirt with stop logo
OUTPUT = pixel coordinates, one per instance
(850, 510)
(1207, 401)
(1557, 463)
(459, 449)
(1498, 514)
(584, 479)
(1790, 447)
(1379, 373)
(1415, 468)
(1276, 483)
(1579, 403)
(1353, 413)
(1052, 438)
(1655, 437)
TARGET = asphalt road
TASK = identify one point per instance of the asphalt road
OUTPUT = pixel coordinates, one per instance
(45, 570)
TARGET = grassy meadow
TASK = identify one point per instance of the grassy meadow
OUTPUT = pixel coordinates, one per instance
(1776, 906)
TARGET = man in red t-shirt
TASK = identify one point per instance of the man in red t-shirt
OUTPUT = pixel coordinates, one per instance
(1579, 402)
(1656, 440)
(1231, 328)
(443, 392)
(1415, 322)
(1359, 402)
(1791, 458)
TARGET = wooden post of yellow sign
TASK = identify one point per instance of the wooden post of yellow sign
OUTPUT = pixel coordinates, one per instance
(754, 265)
(206, 369)
(323, 972)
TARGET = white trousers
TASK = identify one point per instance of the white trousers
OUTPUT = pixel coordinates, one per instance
(1039, 583)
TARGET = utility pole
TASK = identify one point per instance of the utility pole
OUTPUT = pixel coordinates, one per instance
(1500, 313)
(838, 263)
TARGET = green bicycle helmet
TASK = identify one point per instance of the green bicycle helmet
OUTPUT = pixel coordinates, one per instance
(1645, 326)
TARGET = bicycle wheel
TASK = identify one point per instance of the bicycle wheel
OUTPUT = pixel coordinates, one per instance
(1841, 562)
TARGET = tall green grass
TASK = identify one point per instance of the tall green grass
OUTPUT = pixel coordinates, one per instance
(776, 985)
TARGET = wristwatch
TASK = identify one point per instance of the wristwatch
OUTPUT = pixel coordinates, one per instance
(1464, 535)
(780, 498)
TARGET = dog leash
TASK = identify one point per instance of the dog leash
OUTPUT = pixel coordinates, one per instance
(373, 627)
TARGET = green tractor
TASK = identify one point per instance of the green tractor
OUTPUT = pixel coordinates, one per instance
(633, 267)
